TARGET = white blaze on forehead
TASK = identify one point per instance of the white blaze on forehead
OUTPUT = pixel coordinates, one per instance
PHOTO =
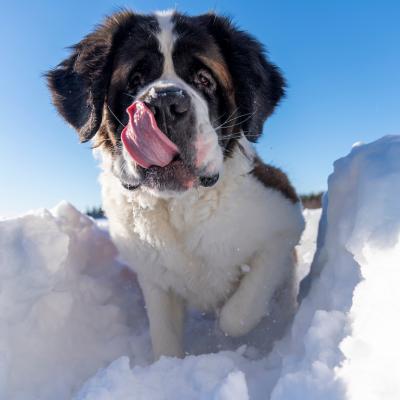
(166, 39)
(209, 157)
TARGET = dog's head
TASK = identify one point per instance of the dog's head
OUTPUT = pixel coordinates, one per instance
(166, 95)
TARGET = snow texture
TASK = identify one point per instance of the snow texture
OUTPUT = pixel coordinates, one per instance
(67, 307)
(73, 324)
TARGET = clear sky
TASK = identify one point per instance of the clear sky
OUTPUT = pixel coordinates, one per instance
(341, 59)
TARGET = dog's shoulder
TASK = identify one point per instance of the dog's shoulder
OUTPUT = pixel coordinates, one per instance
(274, 178)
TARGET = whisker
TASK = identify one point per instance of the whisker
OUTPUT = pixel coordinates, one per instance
(248, 116)
(219, 118)
(228, 119)
(111, 111)
(229, 116)
(239, 134)
(223, 125)
(225, 122)
(129, 95)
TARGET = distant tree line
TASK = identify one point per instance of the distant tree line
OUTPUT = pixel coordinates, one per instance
(312, 200)
(95, 212)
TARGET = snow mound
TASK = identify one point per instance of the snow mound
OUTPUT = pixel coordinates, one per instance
(64, 304)
(212, 376)
(73, 325)
(344, 340)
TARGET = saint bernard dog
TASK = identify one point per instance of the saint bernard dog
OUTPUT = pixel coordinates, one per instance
(173, 103)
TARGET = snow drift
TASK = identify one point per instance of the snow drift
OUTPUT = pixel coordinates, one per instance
(72, 321)
(343, 339)
(66, 306)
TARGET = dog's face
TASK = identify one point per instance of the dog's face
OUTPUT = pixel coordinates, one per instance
(167, 96)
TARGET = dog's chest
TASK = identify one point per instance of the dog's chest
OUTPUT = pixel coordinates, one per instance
(200, 243)
(194, 244)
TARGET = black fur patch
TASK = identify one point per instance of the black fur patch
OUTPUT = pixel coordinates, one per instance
(80, 83)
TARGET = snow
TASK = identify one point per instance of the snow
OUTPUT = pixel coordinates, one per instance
(66, 306)
(73, 324)
(343, 339)
(203, 377)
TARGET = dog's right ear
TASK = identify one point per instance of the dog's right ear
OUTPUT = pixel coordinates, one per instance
(79, 84)
(259, 84)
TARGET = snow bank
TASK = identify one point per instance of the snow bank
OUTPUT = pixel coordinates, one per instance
(211, 376)
(66, 306)
(70, 312)
(344, 340)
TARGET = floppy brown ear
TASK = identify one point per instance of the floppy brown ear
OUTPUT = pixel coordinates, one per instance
(259, 85)
(78, 84)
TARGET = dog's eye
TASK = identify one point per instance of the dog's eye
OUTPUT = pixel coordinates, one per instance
(204, 80)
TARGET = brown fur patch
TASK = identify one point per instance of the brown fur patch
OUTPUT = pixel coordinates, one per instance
(274, 178)
(104, 137)
(217, 65)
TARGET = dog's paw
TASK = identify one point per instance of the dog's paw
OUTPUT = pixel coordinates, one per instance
(237, 318)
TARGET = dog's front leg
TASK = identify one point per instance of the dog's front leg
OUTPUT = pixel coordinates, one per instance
(165, 312)
(249, 303)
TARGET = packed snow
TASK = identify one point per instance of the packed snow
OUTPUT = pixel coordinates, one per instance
(73, 323)
(67, 307)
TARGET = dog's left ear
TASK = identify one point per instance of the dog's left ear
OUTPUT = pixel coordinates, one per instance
(79, 83)
(259, 85)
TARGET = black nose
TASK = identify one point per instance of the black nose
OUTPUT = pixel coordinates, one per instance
(170, 104)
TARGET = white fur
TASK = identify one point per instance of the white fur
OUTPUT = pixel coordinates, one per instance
(190, 248)
(166, 39)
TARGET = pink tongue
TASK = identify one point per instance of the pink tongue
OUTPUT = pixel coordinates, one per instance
(144, 141)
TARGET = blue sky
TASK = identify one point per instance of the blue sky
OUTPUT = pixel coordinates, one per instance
(341, 60)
